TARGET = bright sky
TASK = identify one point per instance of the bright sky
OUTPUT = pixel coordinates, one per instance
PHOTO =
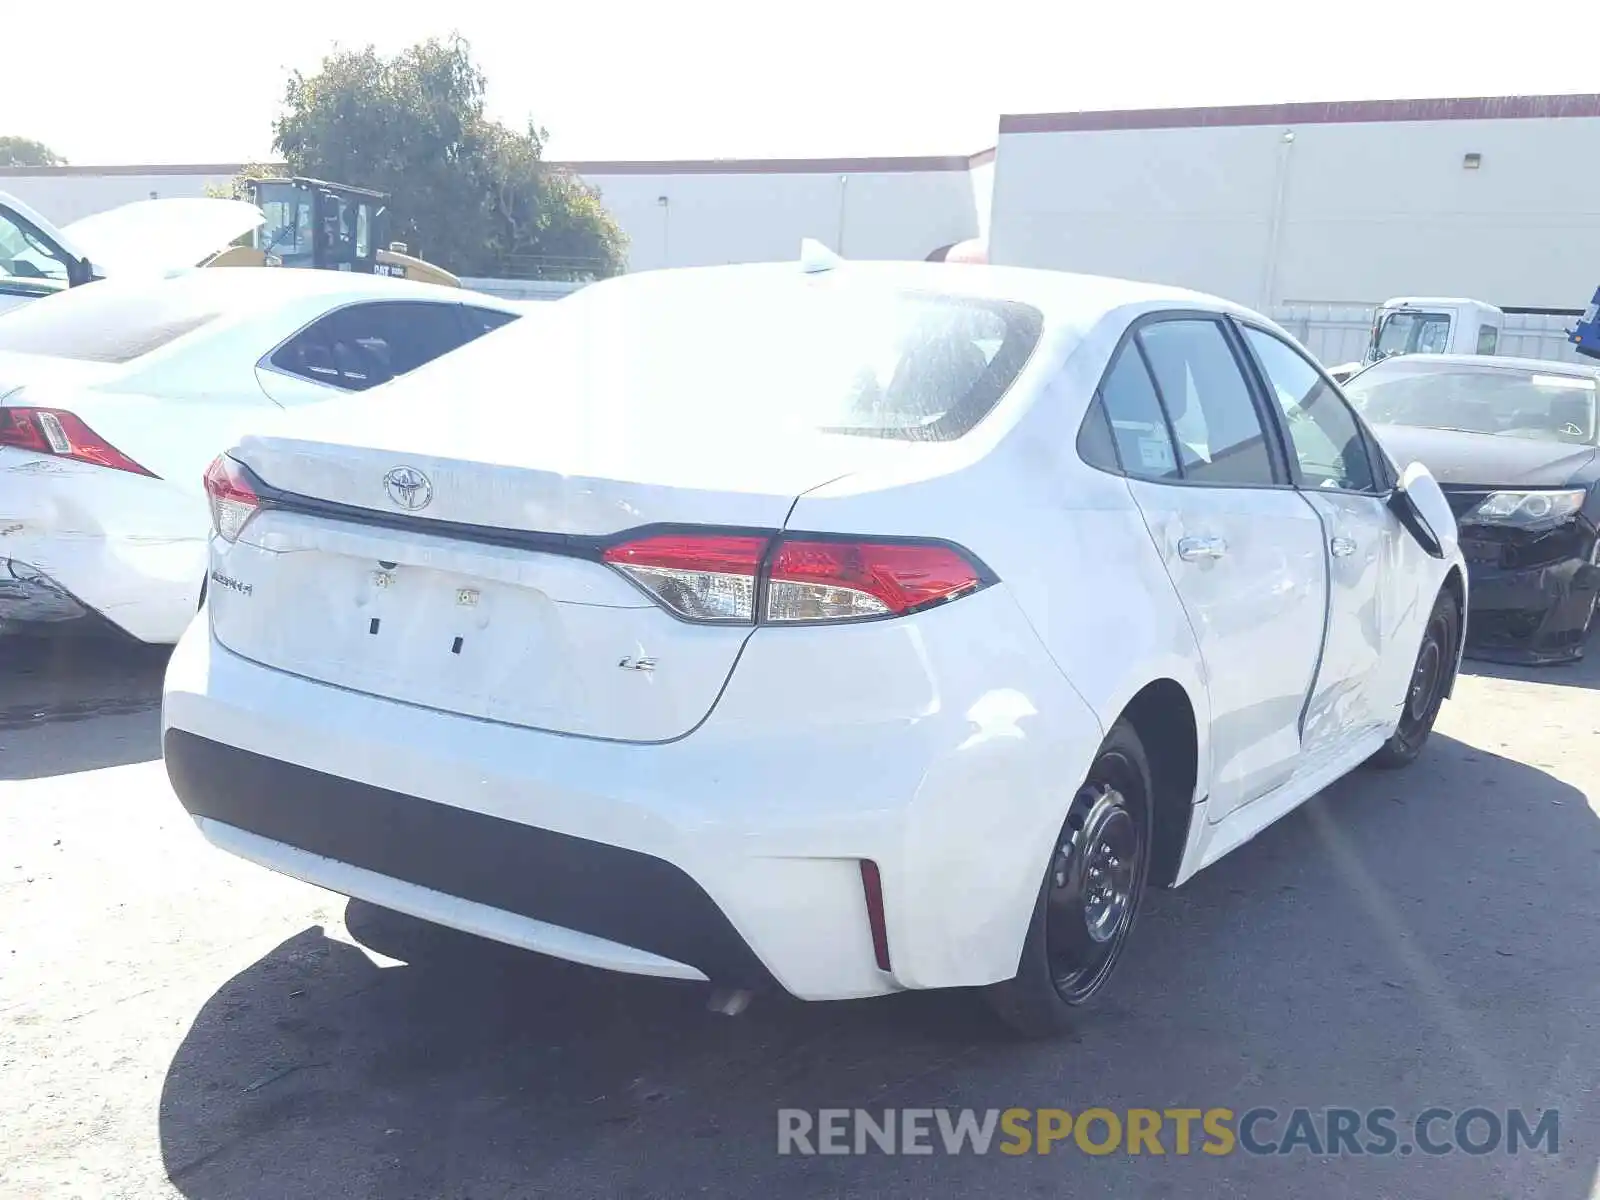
(170, 81)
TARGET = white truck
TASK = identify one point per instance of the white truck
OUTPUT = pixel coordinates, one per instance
(1429, 325)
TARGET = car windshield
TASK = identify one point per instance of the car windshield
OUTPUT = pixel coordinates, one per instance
(1553, 405)
(104, 322)
(1411, 332)
(713, 351)
(24, 256)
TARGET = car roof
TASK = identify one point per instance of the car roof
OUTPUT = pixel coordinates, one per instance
(1061, 296)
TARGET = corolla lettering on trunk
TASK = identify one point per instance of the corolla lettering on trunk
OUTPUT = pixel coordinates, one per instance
(232, 584)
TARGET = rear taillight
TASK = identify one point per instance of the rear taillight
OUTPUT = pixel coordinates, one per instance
(698, 577)
(840, 580)
(233, 500)
(719, 577)
(62, 434)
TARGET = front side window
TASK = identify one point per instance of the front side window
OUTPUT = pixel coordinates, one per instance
(1328, 447)
(1218, 431)
(364, 345)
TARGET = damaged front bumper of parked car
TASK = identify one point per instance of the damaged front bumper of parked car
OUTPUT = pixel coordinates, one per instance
(1532, 593)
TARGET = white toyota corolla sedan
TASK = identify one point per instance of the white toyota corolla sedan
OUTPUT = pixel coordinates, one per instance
(114, 396)
(850, 630)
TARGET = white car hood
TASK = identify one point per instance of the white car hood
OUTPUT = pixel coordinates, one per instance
(158, 236)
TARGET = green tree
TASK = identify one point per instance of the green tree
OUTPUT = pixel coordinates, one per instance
(235, 188)
(25, 152)
(467, 192)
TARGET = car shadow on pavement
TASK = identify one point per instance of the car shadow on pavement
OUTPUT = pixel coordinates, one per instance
(1408, 939)
(1585, 673)
(78, 703)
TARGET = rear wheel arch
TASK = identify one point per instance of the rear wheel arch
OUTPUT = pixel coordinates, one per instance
(1163, 716)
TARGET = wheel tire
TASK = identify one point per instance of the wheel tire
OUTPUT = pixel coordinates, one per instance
(1435, 660)
(1090, 895)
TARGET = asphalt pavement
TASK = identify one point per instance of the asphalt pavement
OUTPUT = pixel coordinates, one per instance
(175, 1023)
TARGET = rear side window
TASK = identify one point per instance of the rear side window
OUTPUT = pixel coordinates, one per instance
(102, 322)
(1133, 410)
(1215, 423)
(364, 345)
(480, 321)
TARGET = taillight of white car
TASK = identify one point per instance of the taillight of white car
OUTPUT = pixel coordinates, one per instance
(62, 434)
(233, 500)
(719, 578)
(792, 579)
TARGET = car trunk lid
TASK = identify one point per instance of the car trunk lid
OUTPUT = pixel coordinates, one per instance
(476, 587)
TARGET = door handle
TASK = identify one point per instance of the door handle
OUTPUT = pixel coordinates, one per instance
(1342, 546)
(1198, 549)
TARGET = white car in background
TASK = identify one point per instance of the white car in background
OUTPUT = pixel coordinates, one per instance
(147, 237)
(852, 629)
(114, 397)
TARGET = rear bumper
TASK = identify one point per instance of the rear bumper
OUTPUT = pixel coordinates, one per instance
(732, 854)
(613, 895)
(77, 537)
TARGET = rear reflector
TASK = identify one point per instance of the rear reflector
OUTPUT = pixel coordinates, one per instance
(56, 432)
(233, 500)
(872, 888)
(717, 577)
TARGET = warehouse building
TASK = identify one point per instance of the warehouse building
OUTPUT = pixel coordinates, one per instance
(1283, 207)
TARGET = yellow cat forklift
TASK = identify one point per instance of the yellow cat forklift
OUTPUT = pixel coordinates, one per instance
(326, 226)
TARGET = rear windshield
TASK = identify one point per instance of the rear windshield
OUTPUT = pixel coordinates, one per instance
(716, 350)
(102, 322)
(1543, 405)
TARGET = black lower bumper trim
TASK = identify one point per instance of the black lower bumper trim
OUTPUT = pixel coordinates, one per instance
(623, 895)
(1531, 615)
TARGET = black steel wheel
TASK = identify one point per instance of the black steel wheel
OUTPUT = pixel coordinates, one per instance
(1090, 894)
(1430, 679)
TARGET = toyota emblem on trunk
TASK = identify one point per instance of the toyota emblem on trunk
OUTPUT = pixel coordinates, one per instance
(409, 488)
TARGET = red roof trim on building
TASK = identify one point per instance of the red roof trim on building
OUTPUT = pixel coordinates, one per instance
(1340, 112)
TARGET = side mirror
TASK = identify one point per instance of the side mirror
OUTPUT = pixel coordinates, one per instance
(1416, 502)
